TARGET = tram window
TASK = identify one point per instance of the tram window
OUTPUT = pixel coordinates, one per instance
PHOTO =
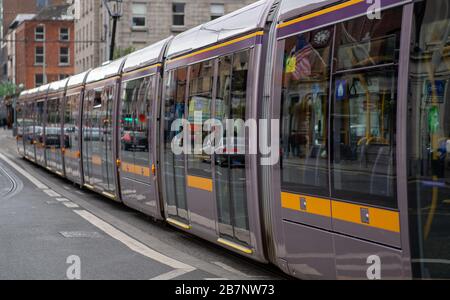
(304, 112)
(136, 115)
(127, 124)
(52, 129)
(429, 139)
(231, 191)
(363, 42)
(200, 103)
(364, 111)
(70, 122)
(174, 168)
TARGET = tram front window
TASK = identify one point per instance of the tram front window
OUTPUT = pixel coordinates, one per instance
(429, 140)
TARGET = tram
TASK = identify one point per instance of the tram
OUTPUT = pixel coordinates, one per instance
(359, 94)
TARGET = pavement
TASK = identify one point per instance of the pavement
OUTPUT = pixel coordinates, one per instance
(51, 229)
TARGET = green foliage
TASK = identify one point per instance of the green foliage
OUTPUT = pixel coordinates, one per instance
(120, 52)
(8, 89)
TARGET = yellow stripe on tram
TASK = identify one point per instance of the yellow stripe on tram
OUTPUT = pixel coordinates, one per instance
(200, 183)
(259, 33)
(319, 13)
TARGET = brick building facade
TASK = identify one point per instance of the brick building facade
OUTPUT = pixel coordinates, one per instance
(44, 49)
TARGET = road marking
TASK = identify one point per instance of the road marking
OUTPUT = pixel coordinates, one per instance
(172, 274)
(24, 173)
(51, 193)
(131, 243)
(70, 205)
(62, 200)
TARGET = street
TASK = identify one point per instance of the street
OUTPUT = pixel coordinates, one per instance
(51, 229)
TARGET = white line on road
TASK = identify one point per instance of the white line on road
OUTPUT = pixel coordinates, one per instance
(62, 200)
(132, 243)
(28, 176)
(70, 205)
(173, 274)
(51, 193)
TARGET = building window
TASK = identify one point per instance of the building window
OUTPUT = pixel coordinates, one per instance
(178, 14)
(64, 34)
(38, 80)
(63, 76)
(217, 10)
(39, 33)
(39, 56)
(64, 56)
(139, 15)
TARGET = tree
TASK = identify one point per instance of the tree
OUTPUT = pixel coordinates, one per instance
(8, 89)
(120, 52)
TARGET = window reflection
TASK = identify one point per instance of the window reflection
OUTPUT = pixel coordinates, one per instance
(230, 177)
(304, 112)
(429, 139)
(364, 110)
(200, 102)
(174, 167)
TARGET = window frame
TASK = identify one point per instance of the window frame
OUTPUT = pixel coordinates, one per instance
(36, 39)
(61, 34)
(36, 55)
(140, 15)
(176, 14)
(61, 55)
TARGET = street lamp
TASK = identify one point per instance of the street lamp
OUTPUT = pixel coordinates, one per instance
(114, 8)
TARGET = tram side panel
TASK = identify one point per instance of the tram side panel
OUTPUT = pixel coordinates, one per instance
(335, 188)
(212, 195)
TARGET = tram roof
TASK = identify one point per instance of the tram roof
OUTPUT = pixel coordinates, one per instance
(24, 94)
(107, 70)
(147, 56)
(293, 8)
(244, 20)
(77, 79)
(43, 89)
(58, 86)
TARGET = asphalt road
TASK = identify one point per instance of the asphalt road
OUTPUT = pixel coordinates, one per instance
(50, 229)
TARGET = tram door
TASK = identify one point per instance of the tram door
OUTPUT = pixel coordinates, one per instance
(39, 132)
(137, 167)
(28, 131)
(98, 158)
(174, 162)
(230, 159)
(199, 172)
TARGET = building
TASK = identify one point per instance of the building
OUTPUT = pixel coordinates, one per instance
(88, 34)
(43, 47)
(143, 22)
(9, 10)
